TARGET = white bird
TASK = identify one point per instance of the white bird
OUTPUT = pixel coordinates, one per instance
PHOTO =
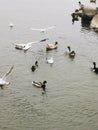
(3, 79)
(42, 30)
(11, 25)
(50, 61)
(26, 46)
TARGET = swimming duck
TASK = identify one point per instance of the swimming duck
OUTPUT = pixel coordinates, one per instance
(71, 53)
(52, 46)
(44, 86)
(39, 84)
(75, 15)
(95, 69)
(3, 79)
(50, 61)
(34, 67)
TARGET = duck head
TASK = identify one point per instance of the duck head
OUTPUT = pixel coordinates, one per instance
(69, 48)
(36, 63)
(44, 82)
(56, 43)
(94, 63)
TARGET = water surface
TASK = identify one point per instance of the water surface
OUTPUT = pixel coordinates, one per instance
(71, 97)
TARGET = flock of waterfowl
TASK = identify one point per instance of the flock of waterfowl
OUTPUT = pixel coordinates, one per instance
(26, 46)
(50, 60)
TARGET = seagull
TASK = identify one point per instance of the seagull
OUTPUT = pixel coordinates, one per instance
(26, 46)
(42, 30)
(3, 79)
(50, 61)
(11, 25)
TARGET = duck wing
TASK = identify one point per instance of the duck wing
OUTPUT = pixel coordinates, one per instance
(37, 84)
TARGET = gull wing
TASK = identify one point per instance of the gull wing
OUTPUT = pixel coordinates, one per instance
(50, 27)
(36, 29)
(19, 44)
(42, 29)
(29, 44)
(8, 72)
(43, 40)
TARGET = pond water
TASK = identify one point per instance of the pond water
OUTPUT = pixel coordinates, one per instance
(71, 95)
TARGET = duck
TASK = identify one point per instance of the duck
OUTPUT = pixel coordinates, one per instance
(50, 61)
(3, 81)
(71, 53)
(95, 69)
(52, 46)
(75, 15)
(39, 84)
(34, 67)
